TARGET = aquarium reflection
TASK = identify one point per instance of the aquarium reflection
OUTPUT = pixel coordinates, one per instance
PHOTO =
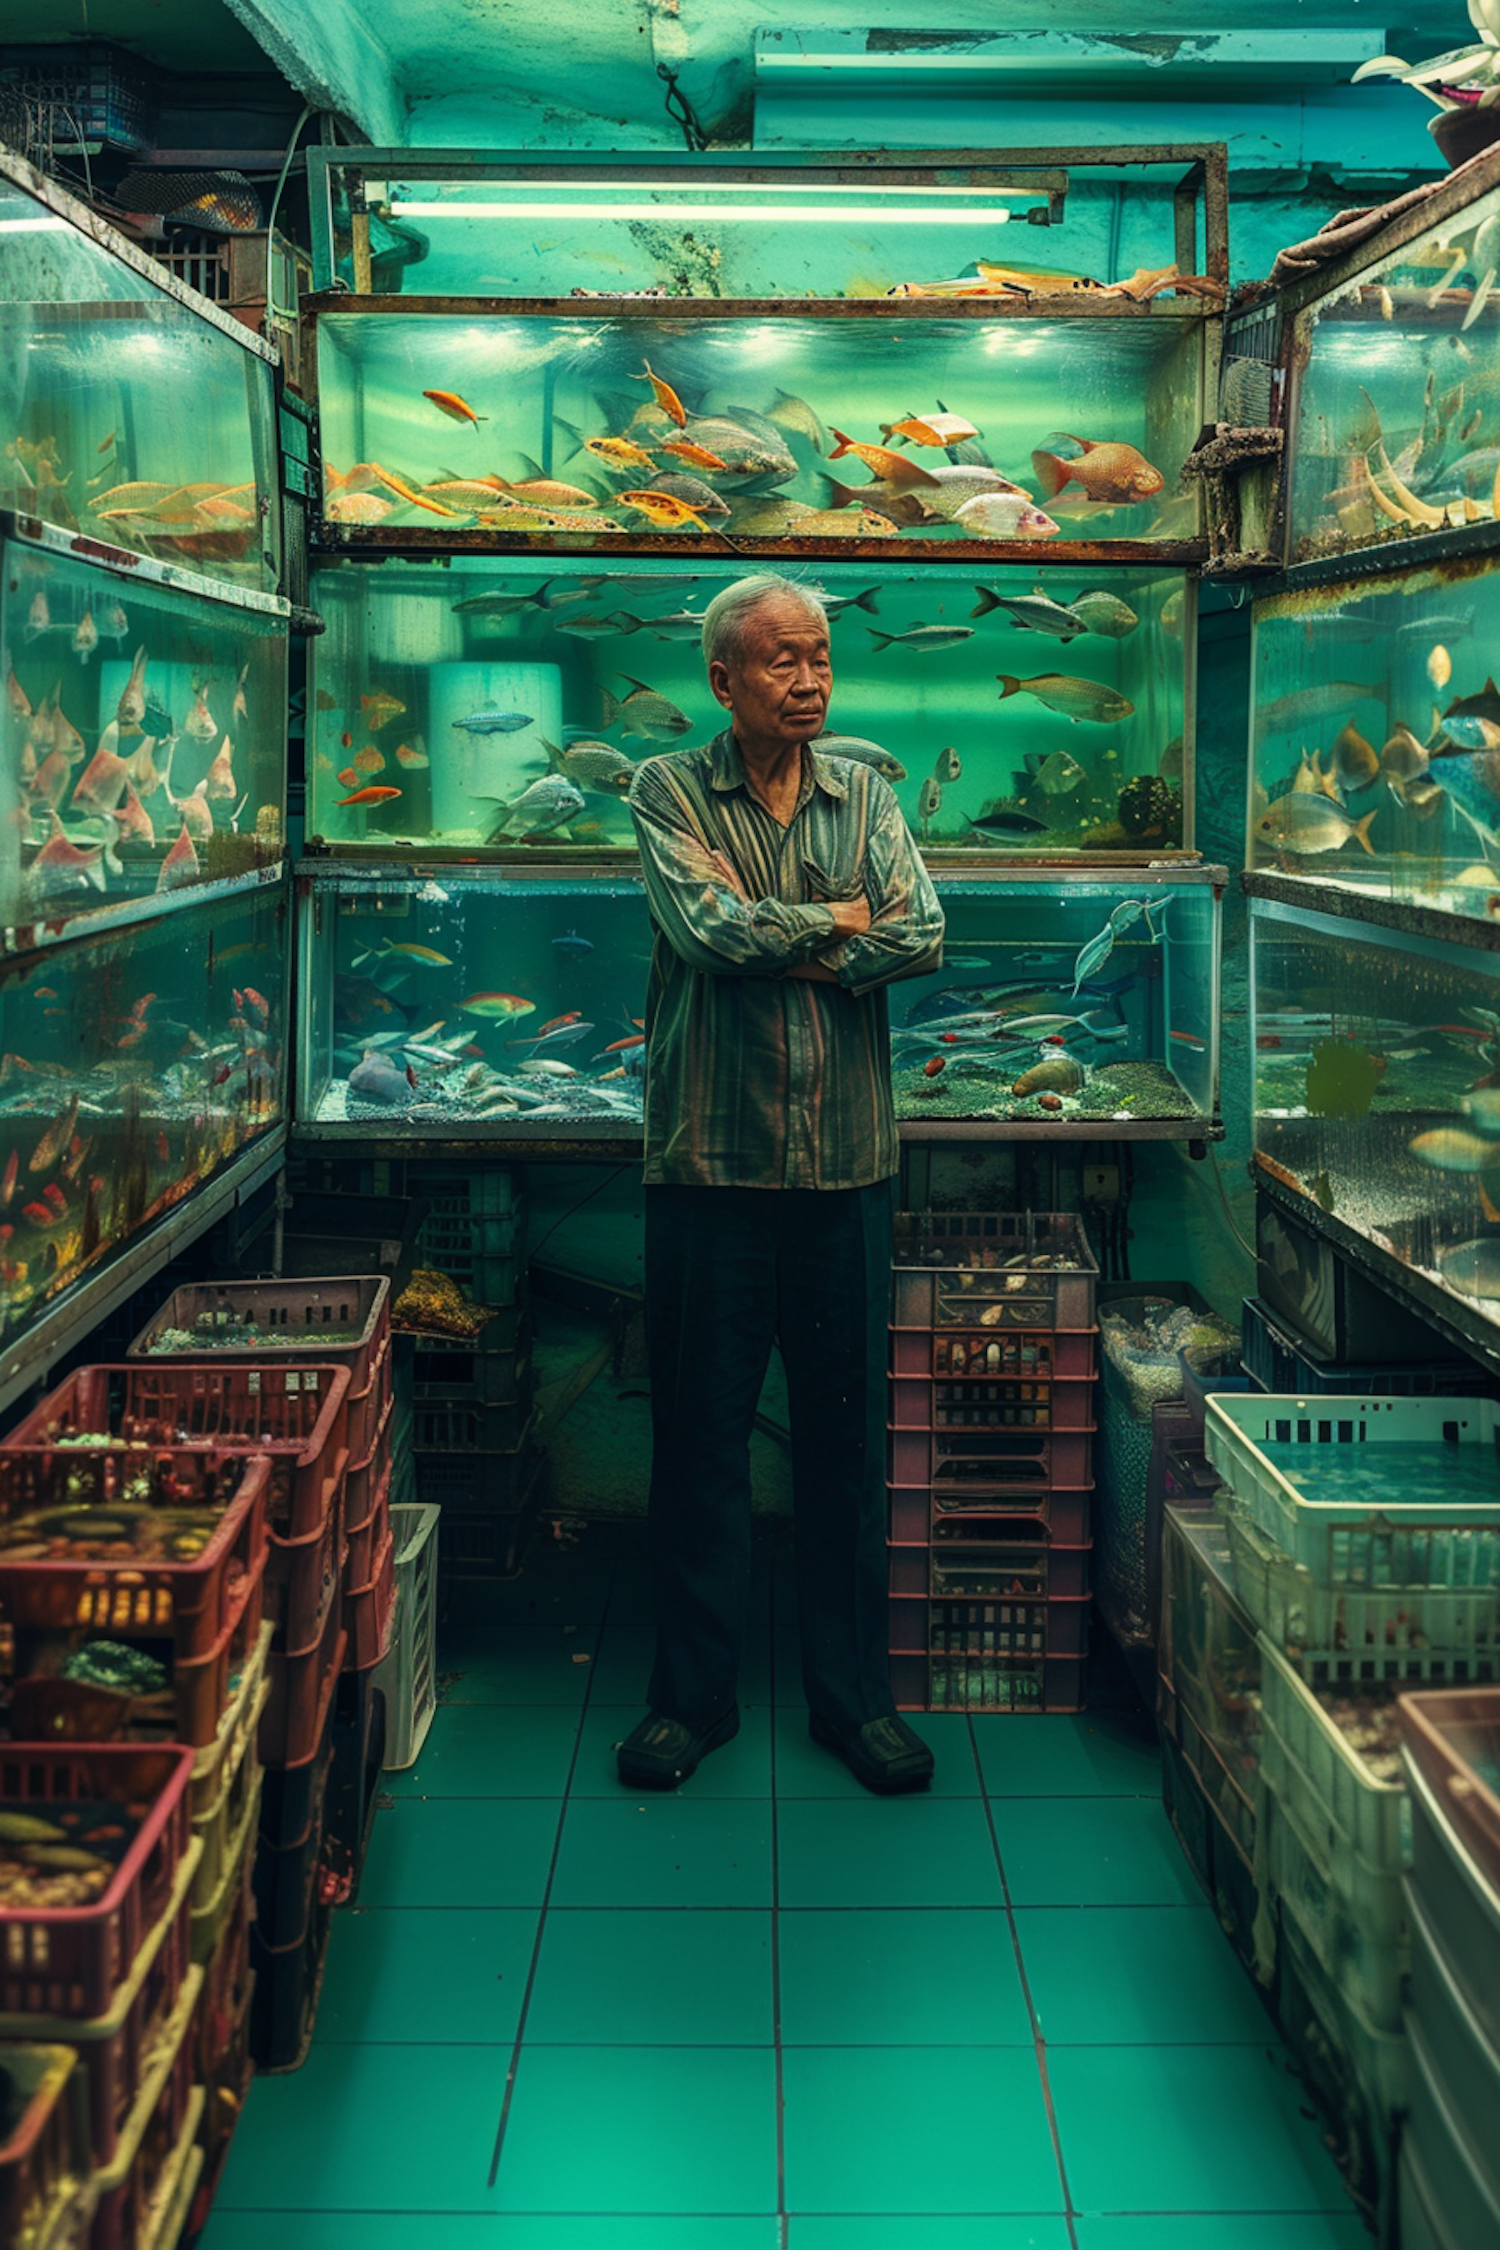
(1398, 429)
(510, 1006)
(1377, 1088)
(1065, 1001)
(144, 733)
(133, 1066)
(764, 428)
(128, 415)
(1376, 762)
(475, 706)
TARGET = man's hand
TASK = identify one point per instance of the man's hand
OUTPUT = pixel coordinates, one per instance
(851, 916)
(814, 972)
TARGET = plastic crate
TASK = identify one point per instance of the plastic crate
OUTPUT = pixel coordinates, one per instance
(1045, 1355)
(97, 93)
(186, 1603)
(475, 1228)
(984, 1270)
(1031, 1568)
(289, 1799)
(407, 1673)
(340, 1318)
(1019, 1684)
(923, 1511)
(354, 1783)
(1454, 1740)
(448, 1371)
(298, 1680)
(477, 1483)
(213, 1761)
(480, 1544)
(991, 1402)
(303, 1574)
(981, 1631)
(456, 1428)
(222, 1831)
(225, 2079)
(233, 1900)
(288, 1982)
(1273, 1357)
(1457, 2176)
(1357, 2073)
(44, 2163)
(70, 1961)
(296, 1416)
(139, 2190)
(289, 1875)
(1464, 2059)
(1347, 1431)
(1389, 1620)
(369, 1610)
(366, 1474)
(1209, 1671)
(1424, 2222)
(1457, 1896)
(966, 1465)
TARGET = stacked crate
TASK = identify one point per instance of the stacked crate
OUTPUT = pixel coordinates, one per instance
(1450, 2143)
(1362, 1580)
(474, 1453)
(990, 1461)
(332, 1614)
(99, 2008)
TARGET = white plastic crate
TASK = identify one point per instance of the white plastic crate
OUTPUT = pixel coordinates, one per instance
(1350, 1541)
(1389, 1623)
(407, 1673)
(1352, 1914)
(1340, 1803)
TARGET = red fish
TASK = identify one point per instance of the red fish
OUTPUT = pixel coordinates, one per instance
(620, 1046)
(40, 1215)
(937, 1063)
(180, 865)
(376, 796)
(346, 742)
(257, 1000)
(574, 1015)
(55, 1197)
(457, 409)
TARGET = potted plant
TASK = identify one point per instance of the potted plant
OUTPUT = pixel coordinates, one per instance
(1464, 85)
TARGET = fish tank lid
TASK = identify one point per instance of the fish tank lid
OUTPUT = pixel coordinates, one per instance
(402, 190)
(492, 874)
(1322, 906)
(1054, 871)
(79, 547)
(1452, 199)
(58, 210)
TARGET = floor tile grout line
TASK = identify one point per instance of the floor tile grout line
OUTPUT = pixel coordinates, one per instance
(1038, 2041)
(541, 1920)
(783, 2225)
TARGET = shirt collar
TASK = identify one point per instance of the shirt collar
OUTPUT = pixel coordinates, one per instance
(728, 768)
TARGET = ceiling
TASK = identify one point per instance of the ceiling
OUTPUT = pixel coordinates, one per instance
(184, 35)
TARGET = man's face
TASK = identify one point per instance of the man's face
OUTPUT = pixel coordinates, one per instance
(777, 689)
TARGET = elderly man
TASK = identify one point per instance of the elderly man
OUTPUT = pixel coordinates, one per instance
(785, 894)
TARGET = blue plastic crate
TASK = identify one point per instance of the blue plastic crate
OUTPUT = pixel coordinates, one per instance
(1270, 1358)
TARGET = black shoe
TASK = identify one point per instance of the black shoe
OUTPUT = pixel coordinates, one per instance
(884, 1753)
(660, 1752)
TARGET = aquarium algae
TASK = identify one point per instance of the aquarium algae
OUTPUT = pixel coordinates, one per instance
(144, 734)
(763, 428)
(1011, 709)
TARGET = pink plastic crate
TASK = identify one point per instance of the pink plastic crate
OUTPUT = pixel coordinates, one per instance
(296, 1416)
(1050, 1627)
(1046, 1354)
(159, 2138)
(1007, 1270)
(302, 1574)
(69, 1961)
(365, 1537)
(289, 1727)
(978, 1462)
(940, 1402)
(369, 1609)
(919, 1513)
(1022, 1686)
(367, 1469)
(970, 1569)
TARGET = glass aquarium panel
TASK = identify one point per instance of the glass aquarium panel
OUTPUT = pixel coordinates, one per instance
(437, 420)
(130, 414)
(456, 225)
(1066, 1000)
(1376, 761)
(1377, 1063)
(582, 675)
(1396, 428)
(134, 1065)
(144, 732)
(506, 1006)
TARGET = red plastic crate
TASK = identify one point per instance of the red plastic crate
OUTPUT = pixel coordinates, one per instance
(286, 1874)
(369, 1610)
(288, 1981)
(297, 1416)
(289, 1730)
(225, 2078)
(1027, 1269)
(975, 1463)
(226, 1968)
(71, 1960)
(1055, 1626)
(995, 1566)
(364, 1538)
(341, 1318)
(302, 1574)
(45, 2161)
(991, 1402)
(156, 2146)
(1048, 1354)
(366, 1472)
(919, 1513)
(188, 1603)
(1024, 1686)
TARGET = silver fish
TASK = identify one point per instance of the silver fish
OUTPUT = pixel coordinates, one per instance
(644, 714)
(923, 637)
(863, 754)
(549, 803)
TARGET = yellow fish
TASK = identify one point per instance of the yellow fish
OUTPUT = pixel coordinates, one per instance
(619, 451)
(666, 397)
(663, 508)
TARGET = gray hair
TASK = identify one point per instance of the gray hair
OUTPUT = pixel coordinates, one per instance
(729, 612)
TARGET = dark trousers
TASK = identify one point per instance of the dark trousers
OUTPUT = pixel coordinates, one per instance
(729, 1272)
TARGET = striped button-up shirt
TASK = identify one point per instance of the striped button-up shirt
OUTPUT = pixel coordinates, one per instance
(755, 1078)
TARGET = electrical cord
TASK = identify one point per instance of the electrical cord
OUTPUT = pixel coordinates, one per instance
(681, 110)
(273, 310)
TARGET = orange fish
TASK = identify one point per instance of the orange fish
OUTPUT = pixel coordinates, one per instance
(41, 1215)
(931, 1069)
(1112, 472)
(219, 781)
(348, 779)
(375, 796)
(692, 456)
(663, 508)
(620, 1046)
(666, 397)
(619, 452)
(369, 760)
(574, 1015)
(456, 408)
(894, 468)
(180, 865)
(408, 755)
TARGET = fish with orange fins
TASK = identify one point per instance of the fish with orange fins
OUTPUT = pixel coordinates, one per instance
(692, 455)
(662, 508)
(380, 708)
(376, 796)
(60, 864)
(1107, 471)
(180, 865)
(666, 397)
(219, 783)
(884, 465)
(619, 452)
(133, 820)
(102, 783)
(368, 760)
(457, 409)
(131, 708)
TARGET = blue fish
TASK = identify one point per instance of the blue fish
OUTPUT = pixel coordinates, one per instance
(572, 946)
(494, 722)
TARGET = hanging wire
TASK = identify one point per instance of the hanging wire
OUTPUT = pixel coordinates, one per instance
(274, 312)
(681, 110)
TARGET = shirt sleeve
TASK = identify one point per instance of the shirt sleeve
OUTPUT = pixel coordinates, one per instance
(905, 937)
(706, 924)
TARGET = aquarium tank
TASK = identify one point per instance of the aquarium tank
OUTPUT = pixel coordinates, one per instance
(145, 738)
(1377, 1089)
(744, 429)
(1012, 710)
(1088, 1000)
(134, 411)
(454, 223)
(1395, 430)
(134, 1066)
(498, 1006)
(1376, 752)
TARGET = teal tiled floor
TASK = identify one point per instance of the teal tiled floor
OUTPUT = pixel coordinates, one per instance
(770, 2013)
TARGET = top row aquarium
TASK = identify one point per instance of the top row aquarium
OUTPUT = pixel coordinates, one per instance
(133, 411)
(752, 358)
